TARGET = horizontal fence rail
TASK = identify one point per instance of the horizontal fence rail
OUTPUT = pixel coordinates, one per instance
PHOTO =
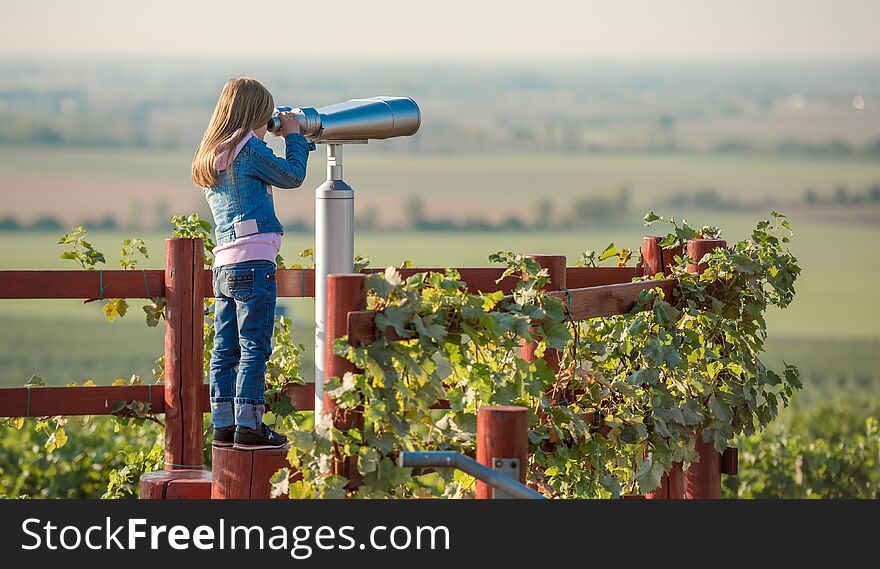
(292, 283)
(82, 284)
(583, 303)
(608, 300)
(99, 400)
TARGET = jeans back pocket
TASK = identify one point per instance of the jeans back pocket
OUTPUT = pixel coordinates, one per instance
(240, 283)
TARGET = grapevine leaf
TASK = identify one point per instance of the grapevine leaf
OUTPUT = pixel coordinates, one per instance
(649, 475)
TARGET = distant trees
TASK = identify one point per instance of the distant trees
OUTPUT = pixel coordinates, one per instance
(45, 223)
(367, 219)
(10, 224)
(543, 215)
(414, 210)
(600, 209)
(843, 195)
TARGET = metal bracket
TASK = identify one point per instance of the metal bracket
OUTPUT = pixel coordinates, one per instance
(508, 467)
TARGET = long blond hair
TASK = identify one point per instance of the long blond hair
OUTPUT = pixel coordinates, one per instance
(243, 106)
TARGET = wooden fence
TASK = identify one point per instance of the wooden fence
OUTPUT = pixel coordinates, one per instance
(183, 398)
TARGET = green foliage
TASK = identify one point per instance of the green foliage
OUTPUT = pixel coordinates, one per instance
(633, 393)
(690, 365)
(682, 233)
(832, 452)
(85, 254)
(462, 350)
(131, 248)
(137, 460)
(96, 452)
(590, 259)
(283, 370)
(81, 251)
(308, 255)
(133, 412)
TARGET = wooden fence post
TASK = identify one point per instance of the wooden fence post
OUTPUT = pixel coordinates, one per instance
(502, 432)
(703, 479)
(672, 485)
(184, 353)
(656, 260)
(345, 293)
(184, 474)
(246, 474)
(555, 265)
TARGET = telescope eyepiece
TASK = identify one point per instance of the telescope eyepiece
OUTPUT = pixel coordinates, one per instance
(308, 118)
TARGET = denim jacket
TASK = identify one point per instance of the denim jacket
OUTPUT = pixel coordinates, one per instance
(241, 203)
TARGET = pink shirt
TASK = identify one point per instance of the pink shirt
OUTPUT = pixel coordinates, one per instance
(256, 247)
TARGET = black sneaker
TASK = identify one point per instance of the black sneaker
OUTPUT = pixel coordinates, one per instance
(223, 437)
(256, 439)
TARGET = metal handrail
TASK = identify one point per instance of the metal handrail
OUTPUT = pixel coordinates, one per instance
(452, 459)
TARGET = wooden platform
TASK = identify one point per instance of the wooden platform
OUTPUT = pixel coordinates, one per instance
(243, 475)
(175, 485)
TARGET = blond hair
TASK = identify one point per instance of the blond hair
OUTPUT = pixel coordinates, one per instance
(244, 105)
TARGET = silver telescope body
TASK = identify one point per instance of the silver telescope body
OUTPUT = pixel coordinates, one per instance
(356, 120)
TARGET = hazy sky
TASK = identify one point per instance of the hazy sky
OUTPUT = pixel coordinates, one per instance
(444, 29)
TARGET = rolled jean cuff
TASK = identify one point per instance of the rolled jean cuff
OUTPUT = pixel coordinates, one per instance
(248, 415)
(222, 413)
(248, 401)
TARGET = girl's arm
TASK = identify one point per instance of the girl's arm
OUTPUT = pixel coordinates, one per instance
(284, 173)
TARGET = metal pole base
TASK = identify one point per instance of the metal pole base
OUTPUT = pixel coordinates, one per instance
(334, 253)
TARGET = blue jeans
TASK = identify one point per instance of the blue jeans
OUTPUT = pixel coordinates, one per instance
(244, 319)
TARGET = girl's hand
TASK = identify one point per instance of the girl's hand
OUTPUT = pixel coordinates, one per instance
(289, 124)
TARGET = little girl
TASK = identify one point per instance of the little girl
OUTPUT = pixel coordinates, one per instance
(237, 169)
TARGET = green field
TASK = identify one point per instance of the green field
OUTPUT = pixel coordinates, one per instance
(77, 184)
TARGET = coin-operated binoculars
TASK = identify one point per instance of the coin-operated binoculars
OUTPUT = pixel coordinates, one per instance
(352, 122)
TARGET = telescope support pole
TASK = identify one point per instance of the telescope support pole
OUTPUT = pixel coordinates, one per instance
(334, 252)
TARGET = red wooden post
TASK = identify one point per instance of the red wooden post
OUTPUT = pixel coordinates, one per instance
(245, 474)
(184, 376)
(184, 353)
(345, 293)
(703, 479)
(652, 256)
(555, 265)
(658, 260)
(730, 461)
(502, 432)
(671, 485)
(698, 248)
